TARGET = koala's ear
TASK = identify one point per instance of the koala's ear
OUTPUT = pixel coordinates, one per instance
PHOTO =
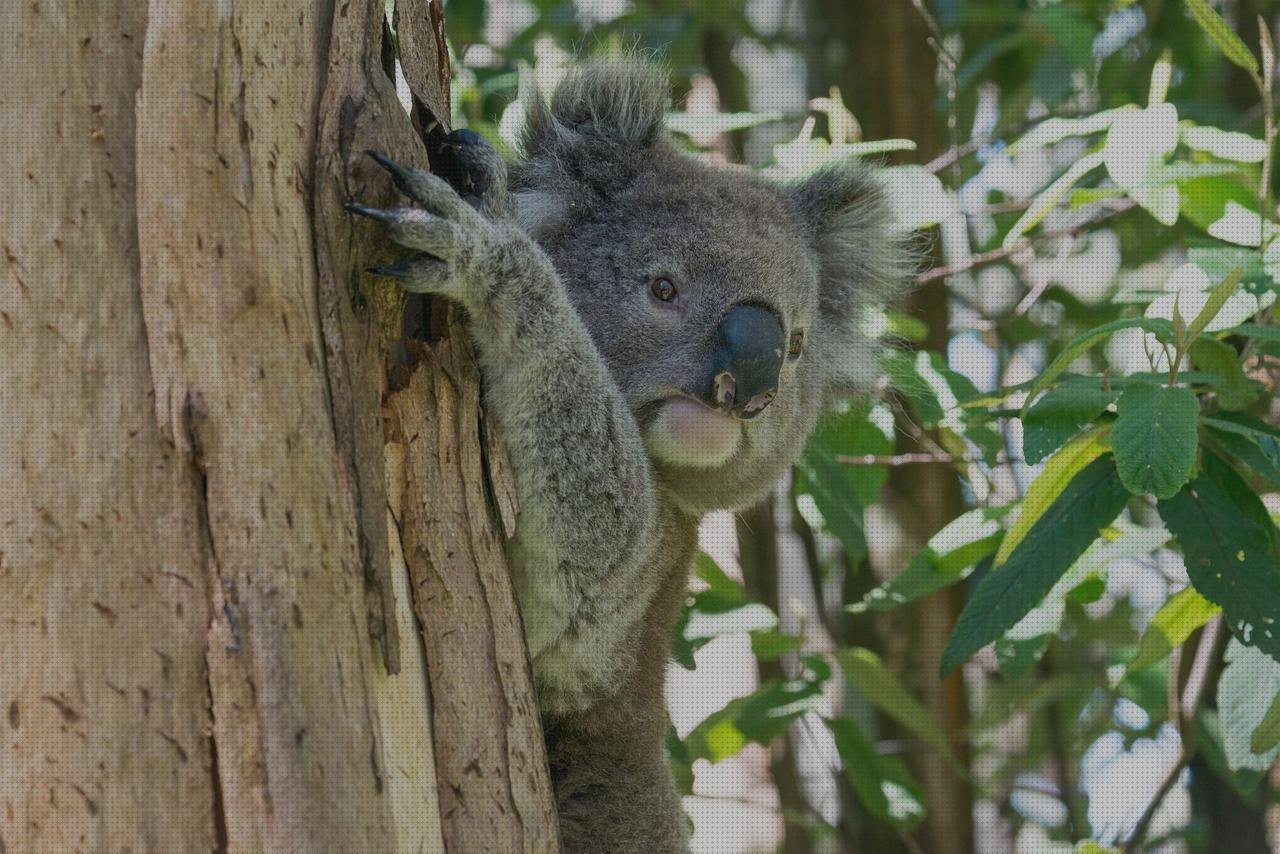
(864, 263)
(621, 101)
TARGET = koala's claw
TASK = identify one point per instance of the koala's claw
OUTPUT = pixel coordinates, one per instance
(430, 191)
(372, 213)
(419, 275)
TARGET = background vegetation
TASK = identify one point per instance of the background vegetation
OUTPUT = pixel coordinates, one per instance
(1025, 597)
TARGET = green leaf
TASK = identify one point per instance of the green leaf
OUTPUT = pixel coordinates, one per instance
(950, 555)
(1062, 413)
(1231, 550)
(1159, 327)
(679, 761)
(1218, 297)
(1010, 590)
(1122, 540)
(1260, 331)
(1154, 438)
(1208, 734)
(827, 483)
(770, 644)
(932, 388)
(1250, 440)
(866, 428)
(722, 608)
(1204, 200)
(866, 672)
(1221, 359)
(1247, 690)
(1267, 734)
(1057, 474)
(1015, 658)
(881, 782)
(759, 717)
(1221, 34)
(1183, 613)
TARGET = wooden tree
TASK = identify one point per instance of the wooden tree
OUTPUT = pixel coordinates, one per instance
(252, 591)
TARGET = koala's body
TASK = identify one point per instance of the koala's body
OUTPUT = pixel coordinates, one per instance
(657, 337)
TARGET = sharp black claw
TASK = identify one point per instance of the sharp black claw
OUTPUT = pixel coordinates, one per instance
(372, 213)
(398, 269)
(387, 163)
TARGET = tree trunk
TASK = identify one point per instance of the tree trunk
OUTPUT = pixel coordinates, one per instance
(217, 521)
(886, 69)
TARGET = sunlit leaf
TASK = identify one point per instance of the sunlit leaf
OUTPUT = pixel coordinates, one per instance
(951, 555)
(1057, 474)
(1221, 34)
(759, 717)
(1183, 613)
(1247, 690)
(1051, 196)
(1228, 145)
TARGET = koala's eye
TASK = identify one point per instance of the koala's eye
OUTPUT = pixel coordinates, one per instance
(795, 346)
(663, 289)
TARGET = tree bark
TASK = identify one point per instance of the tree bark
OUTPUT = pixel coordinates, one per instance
(206, 617)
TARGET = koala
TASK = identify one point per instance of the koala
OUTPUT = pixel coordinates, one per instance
(657, 336)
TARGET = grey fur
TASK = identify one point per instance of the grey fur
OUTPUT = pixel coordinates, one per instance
(578, 358)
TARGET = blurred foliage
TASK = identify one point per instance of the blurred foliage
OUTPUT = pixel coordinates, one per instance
(1105, 225)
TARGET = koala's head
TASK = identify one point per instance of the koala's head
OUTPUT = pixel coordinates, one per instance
(727, 308)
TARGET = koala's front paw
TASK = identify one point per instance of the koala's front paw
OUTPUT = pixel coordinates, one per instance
(449, 236)
(472, 166)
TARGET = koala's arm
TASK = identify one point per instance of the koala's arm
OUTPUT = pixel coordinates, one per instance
(587, 504)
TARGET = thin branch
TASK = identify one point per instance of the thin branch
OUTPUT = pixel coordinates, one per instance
(983, 258)
(1208, 659)
(947, 64)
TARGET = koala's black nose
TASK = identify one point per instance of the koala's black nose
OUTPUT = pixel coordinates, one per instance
(748, 355)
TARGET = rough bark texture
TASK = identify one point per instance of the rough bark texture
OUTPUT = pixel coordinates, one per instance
(477, 663)
(198, 542)
(103, 700)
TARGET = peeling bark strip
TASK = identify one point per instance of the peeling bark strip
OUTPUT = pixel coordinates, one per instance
(226, 139)
(491, 762)
(102, 606)
(360, 316)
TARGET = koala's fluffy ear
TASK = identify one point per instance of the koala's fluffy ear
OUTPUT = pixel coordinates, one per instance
(622, 101)
(864, 263)
(589, 141)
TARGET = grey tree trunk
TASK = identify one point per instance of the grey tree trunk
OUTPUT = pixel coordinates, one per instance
(234, 612)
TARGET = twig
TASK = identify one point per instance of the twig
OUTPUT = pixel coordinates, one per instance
(1003, 252)
(911, 459)
(1208, 659)
(948, 64)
